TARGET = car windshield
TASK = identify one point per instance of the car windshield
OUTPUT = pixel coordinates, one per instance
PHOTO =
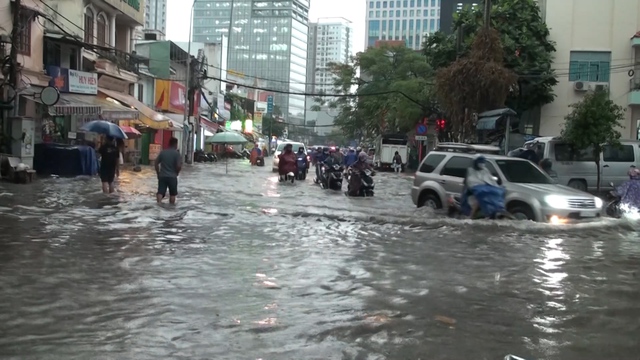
(523, 172)
(295, 146)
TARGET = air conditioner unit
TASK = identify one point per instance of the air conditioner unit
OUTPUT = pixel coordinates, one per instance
(579, 86)
(598, 86)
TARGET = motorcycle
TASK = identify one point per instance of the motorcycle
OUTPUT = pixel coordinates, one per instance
(613, 204)
(366, 182)
(260, 161)
(302, 167)
(331, 176)
(200, 157)
(212, 157)
(289, 177)
(454, 210)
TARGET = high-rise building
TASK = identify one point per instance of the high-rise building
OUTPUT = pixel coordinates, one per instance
(330, 41)
(406, 20)
(155, 19)
(450, 7)
(267, 42)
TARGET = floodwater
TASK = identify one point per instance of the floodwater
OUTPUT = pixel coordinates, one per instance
(247, 268)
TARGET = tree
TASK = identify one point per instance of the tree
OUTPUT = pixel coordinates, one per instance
(271, 126)
(475, 83)
(525, 40)
(394, 91)
(592, 124)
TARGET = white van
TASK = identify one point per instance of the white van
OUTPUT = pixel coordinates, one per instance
(578, 169)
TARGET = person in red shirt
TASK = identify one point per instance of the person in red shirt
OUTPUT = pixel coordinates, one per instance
(287, 161)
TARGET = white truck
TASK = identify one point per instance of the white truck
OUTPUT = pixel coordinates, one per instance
(386, 148)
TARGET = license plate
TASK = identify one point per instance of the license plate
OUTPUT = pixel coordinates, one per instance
(587, 214)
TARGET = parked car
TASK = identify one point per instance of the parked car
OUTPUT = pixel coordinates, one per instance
(531, 193)
(577, 169)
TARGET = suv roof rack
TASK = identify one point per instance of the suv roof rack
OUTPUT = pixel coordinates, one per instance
(468, 148)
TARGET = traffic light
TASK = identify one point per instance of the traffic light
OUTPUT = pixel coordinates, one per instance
(441, 124)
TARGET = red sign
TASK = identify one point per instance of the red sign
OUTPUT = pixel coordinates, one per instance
(171, 95)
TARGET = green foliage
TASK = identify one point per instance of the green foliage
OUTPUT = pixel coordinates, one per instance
(401, 74)
(272, 127)
(475, 83)
(593, 123)
(524, 37)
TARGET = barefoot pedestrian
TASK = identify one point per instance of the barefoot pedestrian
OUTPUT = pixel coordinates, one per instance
(168, 165)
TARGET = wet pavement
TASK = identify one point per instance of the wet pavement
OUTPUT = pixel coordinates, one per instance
(247, 268)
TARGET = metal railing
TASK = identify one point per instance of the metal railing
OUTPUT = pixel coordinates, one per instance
(124, 60)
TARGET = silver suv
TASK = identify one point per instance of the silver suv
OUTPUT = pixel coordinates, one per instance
(531, 193)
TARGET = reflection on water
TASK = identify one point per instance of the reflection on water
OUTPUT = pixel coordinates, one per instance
(243, 267)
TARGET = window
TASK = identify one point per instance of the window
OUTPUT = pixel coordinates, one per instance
(384, 13)
(377, 13)
(564, 152)
(370, 4)
(413, 3)
(433, 3)
(590, 66)
(433, 12)
(140, 92)
(384, 4)
(419, 3)
(391, 4)
(397, 13)
(523, 172)
(623, 153)
(371, 13)
(377, 4)
(88, 26)
(457, 166)
(102, 33)
(431, 163)
(24, 36)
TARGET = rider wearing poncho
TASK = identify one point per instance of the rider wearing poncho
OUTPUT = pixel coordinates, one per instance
(482, 192)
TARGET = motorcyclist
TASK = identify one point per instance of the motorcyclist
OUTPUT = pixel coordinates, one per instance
(354, 180)
(629, 191)
(338, 155)
(321, 156)
(287, 161)
(351, 157)
(477, 175)
(303, 155)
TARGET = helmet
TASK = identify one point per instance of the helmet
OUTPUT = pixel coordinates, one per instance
(358, 149)
(479, 160)
(363, 157)
(319, 148)
(325, 149)
(634, 173)
(546, 164)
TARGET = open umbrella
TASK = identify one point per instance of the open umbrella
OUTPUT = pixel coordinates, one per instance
(131, 132)
(104, 128)
(227, 138)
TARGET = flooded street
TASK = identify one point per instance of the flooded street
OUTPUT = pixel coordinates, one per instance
(247, 268)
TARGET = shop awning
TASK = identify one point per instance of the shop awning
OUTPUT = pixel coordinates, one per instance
(74, 104)
(177, 121)
(113, 111)
(208, 125)
(147, 115)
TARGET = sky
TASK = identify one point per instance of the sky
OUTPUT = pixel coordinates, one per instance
(353, 10)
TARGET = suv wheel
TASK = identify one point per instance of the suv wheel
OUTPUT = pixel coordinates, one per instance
(430, 200)
(521, 212)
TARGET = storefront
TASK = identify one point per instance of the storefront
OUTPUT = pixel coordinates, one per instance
(170, 98)
(149, 122)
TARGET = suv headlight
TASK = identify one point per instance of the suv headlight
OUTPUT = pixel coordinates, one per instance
(556, 201)
(598, 202)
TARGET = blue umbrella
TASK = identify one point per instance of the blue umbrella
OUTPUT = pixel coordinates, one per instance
(104, 128)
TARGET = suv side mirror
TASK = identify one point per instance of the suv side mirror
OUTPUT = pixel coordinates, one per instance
(497, 180)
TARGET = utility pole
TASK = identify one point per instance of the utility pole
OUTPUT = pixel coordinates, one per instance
(14, 76)
(487, 13)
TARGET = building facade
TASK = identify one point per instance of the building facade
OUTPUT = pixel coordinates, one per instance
(155, 19)
(450, 7)
(330, 41)
(267, 42)
(596, 48)
(406, 20)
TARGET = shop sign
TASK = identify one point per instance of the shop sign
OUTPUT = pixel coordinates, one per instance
(73, 81)
(170, 96)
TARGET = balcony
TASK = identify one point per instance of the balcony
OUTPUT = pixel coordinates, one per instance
(134, 13)
(118, 63)
(634, 92)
